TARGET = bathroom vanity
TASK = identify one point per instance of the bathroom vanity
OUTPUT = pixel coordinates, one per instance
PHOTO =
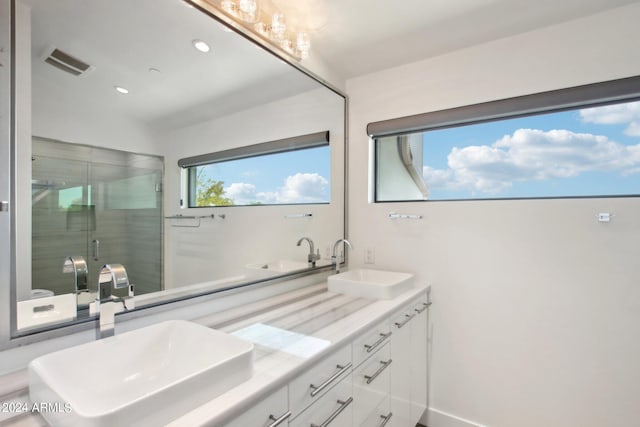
(319, 358)
(323, 358)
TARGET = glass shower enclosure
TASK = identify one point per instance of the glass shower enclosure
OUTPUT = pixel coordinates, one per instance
(101, 204)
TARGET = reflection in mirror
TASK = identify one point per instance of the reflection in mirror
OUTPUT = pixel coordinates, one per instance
(253, 175)
(112, 110)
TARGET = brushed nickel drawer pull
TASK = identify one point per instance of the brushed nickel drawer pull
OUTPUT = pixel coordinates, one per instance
(385, 419)
(405, 321)
(277, 421)
(425, 305)
(343, 406)
(318, 388)
(96, 250)
(384, 364)
(371, 347)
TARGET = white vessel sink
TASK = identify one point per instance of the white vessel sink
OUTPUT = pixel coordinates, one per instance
(372, 284)
(145, 377)
(275, 268)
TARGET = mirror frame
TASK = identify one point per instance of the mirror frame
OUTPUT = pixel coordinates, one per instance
(10, 113)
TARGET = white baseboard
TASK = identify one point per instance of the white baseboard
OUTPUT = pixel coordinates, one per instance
(436, 418)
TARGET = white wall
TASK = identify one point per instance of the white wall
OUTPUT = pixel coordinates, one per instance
(536, 313)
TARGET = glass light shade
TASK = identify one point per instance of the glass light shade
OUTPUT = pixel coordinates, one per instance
(248, 6)
(262, 29)
(287, 45)
(303, 44)
(278, 25)
(229, 6)
(248, 9)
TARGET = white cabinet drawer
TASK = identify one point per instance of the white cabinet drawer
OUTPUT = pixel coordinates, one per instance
(380, 417)
(312, 384)
(371, 384)
(401, 318)
(270, 412)
(333, 409)
(367, 344)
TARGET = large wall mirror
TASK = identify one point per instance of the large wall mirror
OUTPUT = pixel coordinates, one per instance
(110, 96)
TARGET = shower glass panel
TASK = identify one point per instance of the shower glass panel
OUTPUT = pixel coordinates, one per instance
(103, 205)
(61, 218)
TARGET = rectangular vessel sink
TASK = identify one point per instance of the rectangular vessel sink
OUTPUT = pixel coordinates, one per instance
(372, 284)
(145, 377)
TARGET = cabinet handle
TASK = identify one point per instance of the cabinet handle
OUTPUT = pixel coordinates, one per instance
(343, 406)
(318, 388)
(405, 321)
(277, 421)
(425, 305)
(384, 364)
(371, 347)
(385, 419)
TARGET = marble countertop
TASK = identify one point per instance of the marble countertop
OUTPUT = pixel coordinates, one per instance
(290, 332)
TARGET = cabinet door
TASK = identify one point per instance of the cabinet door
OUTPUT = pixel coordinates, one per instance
(419, 358)
(371, 341)
(400, 381)
(270, 412)
(334, 408)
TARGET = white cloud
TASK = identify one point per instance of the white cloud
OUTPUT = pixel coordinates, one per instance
(531, 155)
(304, 188)
(298, 188)
(241, 193)
(626, 113)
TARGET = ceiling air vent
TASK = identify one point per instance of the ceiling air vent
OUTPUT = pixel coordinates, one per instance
(66, 62)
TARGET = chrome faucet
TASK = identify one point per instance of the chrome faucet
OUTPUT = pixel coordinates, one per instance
(334, 256)
(312, 257)
(112, 276)
(78, 266)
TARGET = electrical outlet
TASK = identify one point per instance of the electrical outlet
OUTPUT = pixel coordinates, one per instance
(369, 256)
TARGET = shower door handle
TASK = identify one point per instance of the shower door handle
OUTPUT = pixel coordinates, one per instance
(96, 250)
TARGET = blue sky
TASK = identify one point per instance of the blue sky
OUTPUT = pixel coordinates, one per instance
(300, 176)
(587, 152)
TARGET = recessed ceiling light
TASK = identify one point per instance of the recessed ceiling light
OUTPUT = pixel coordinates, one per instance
(201, 46)
(121, 90)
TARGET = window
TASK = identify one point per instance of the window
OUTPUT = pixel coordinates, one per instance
(498, 150)
(273, 173)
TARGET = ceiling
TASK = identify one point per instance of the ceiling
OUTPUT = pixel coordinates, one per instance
(355, 37)
(124, 39)
(146, 47)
